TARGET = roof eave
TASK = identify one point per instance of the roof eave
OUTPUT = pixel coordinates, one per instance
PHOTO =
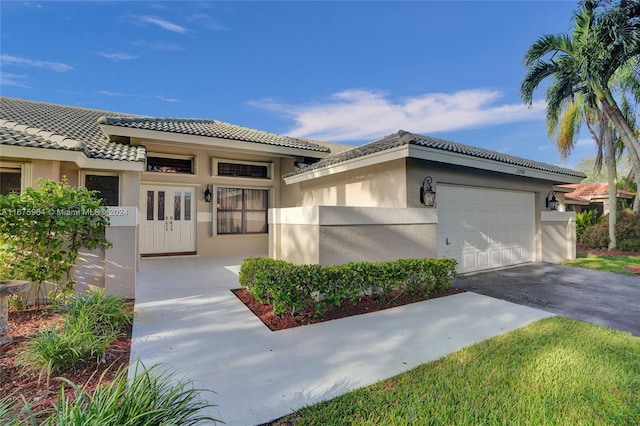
(77, 157)
(230, 144)
(355, 163)
(431, 154)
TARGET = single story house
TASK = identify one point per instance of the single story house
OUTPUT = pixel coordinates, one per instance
(592, 196)
(205, 187)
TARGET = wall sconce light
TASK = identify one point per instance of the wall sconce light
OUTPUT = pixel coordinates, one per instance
(427, 194)
(208, 194)
(552, 202)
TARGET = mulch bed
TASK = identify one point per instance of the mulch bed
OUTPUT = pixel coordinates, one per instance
(16, 382)
(363, 305)
(581, 248)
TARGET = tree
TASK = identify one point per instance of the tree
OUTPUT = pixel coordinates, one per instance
(42, 230)
(581, 67)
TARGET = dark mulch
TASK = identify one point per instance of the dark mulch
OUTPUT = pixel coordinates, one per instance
(16, 382)
(582, 249)
(363, 305)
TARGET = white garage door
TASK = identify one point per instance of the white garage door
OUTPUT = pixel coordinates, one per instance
(484, 228)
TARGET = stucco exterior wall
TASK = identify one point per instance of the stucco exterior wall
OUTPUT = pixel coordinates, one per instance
(113, 269)
(381, 185)
(339, 234)
(207, 240)
(558, 236)
(295, 243)
(359, 243)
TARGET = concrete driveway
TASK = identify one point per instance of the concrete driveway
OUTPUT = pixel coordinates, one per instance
(604, 298)
(187, 319)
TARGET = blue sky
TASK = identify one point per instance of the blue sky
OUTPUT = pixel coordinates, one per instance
(340, 71)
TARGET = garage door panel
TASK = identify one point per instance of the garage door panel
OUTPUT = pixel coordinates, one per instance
(484, 228)
(469, 261)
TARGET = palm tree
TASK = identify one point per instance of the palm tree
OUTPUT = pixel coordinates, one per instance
(601, 43)
(582, 67)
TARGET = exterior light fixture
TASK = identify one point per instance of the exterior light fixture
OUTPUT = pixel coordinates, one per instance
(208, 194)
(552, 202)
(427, 194)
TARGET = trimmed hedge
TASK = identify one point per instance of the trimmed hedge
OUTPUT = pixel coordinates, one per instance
(627, 231)
(292, 288)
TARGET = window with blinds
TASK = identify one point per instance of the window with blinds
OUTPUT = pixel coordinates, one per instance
(242, 211)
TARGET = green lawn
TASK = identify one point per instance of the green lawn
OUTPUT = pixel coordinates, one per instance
(555, 371)
(605, 262)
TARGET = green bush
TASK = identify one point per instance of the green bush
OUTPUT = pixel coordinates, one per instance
(583, 221)
(42, 230)
(627, 232)
(149, 398)
(292, 288)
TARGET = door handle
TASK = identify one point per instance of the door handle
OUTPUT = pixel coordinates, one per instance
(171, 222)
(166, 223)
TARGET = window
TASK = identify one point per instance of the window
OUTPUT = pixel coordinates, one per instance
(108, 187)
(10, 180)
(171, 164)
(241, 169)
(242, 211)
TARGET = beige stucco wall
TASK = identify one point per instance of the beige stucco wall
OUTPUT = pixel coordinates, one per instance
(114, 268)
(340, 244)
(558, 236)
(294, 243)
(381, 185)
(208, 242)
(339, 234)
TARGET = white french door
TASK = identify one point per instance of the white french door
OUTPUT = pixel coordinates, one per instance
(167, 222)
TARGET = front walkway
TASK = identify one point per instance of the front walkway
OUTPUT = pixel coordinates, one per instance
(188, 320)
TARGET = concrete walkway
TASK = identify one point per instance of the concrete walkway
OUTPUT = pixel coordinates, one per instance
(188, 320)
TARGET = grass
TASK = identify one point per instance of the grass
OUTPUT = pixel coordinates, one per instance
(607, 263)
(555, 371)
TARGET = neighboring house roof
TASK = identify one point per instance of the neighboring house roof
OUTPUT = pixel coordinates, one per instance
(214, 128)
(591, 191)
(42, 125)
(402, 138)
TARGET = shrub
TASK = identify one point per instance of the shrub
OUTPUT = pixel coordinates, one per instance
(149, 398)
(583, 221)
(627, 232)
(42, 231)
(289, 287)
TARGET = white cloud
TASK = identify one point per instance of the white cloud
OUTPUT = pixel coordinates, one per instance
(34, 63)
(165, 99)
(154, 45)
(7, 79)
(108, 93)
(207, 21)
(360, 114)
(117, 56)
(169, 26)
